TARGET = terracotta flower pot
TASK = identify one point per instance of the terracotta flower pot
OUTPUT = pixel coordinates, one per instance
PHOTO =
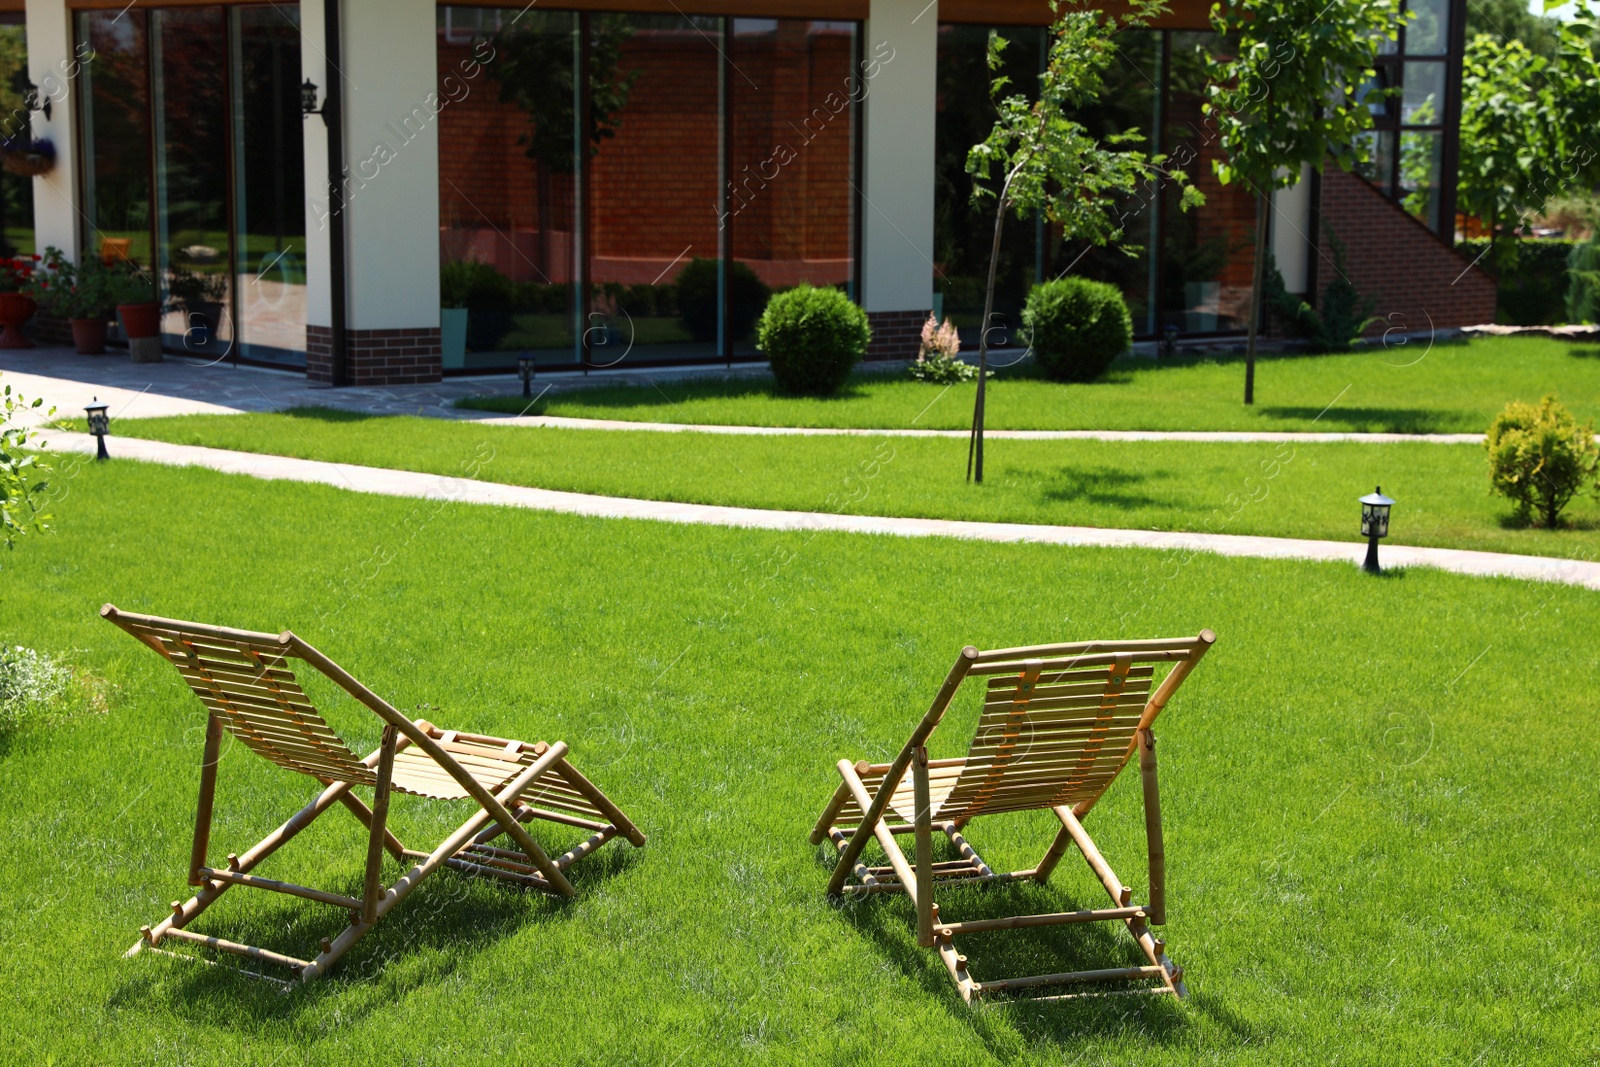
(89, 336)
(140, 320)
(15, 309)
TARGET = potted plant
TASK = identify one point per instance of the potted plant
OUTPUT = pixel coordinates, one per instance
(199, 295)
(455, 283)
(133, 289)
(79, 293)
(28, 156)
(16, 306)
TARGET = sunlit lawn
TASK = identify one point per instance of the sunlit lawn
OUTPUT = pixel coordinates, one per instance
(1378, 794)
(1411, 388)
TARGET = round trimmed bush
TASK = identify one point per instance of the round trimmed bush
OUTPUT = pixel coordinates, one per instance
(813, 337)
(1078, 327)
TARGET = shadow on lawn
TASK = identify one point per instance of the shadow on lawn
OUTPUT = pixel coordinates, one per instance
(1372, 420)
(891, 923)
(321, 414)
(429, 936)
(1110, 486)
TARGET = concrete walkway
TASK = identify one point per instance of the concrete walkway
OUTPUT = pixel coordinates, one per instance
(562, 423)
(462, 490)
(175, 388)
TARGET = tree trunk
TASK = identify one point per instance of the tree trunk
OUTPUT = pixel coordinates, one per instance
(1259, 269)
(975, 445)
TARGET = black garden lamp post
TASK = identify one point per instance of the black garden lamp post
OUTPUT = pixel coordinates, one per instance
(1374, 524)
(525, 370)
(99, 425)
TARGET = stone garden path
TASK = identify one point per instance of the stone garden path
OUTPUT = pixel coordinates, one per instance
(387, 482)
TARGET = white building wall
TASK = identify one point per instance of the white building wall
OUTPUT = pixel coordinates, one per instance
(901, 47)
(1291, 232)
(51, 65)
(391, 148)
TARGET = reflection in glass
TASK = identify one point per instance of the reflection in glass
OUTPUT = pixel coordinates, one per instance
(789, 199)
(1207, 254)
(189, 79)
(1422, 98)
(655, 185)
(1421, 158)
(1428, 32)
(114, 113)
(964, 231)
(1378, 168)
(508, 183)
(269, 186)
(16, 191)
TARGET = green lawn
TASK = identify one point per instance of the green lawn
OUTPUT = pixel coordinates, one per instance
(1282, 490)
(1377, 794)
(1451, 388)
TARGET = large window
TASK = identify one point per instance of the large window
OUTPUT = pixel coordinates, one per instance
(635, 187)
(16, 190)
(1412, 143)
(1190, 270)
(193, 169)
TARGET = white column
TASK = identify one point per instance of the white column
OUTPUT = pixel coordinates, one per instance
(899, 53)
(391, 170)
(1291, 232)
(52, 66)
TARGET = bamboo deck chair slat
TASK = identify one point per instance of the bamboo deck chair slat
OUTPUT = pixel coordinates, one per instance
(1058, 725)
(247, 684)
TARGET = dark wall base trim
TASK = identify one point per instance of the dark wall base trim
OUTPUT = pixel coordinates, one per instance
(896, 334)
(377, 357)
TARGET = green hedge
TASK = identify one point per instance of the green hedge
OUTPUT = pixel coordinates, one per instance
(1533, 290)
(813, 337)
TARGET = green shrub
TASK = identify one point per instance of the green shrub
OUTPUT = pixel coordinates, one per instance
(36, 688)
(1540, 458)
(813, 338)
(697, 298)
(455, 279)
(1335, 326)
(1583, 282)
(1077, 327)
(1530, 276)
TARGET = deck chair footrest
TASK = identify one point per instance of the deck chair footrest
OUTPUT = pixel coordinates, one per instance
(237, 949)
(1108, 974)
(257, 882)
(1013, 922)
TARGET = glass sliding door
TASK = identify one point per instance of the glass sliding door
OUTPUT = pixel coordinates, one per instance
(789, 198)
(16, 190)
(114, 108)
(189, 90)
(508, 185)
(269, 214)
(654, 186)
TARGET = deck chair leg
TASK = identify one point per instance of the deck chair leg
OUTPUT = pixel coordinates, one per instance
(924, 843)
(1157, 908)
(375, 833)
(186, 912)
(1171, 974)
(208, 795)
(592, 793)
(891, 848)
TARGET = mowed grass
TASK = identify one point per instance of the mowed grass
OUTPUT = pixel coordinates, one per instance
(1275, 489)
(1453, 387)
(1377, 795)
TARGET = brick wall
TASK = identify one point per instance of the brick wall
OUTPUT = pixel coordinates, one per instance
(377, 357)
(48, 329)
(896, 334)
(1418, 280)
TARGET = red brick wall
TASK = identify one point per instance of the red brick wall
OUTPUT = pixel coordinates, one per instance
(377, 357)
(1418, 280)
(896, 334)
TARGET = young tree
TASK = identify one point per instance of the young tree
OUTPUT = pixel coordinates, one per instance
(1527, 127)
(1293, 92)
(1048, 162)
(23, 472)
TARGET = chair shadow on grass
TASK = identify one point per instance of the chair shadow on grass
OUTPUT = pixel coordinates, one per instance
(890, 921)
(433, 933)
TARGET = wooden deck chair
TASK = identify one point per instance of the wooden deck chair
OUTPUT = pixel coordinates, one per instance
(1059, 722)
(249, 691)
